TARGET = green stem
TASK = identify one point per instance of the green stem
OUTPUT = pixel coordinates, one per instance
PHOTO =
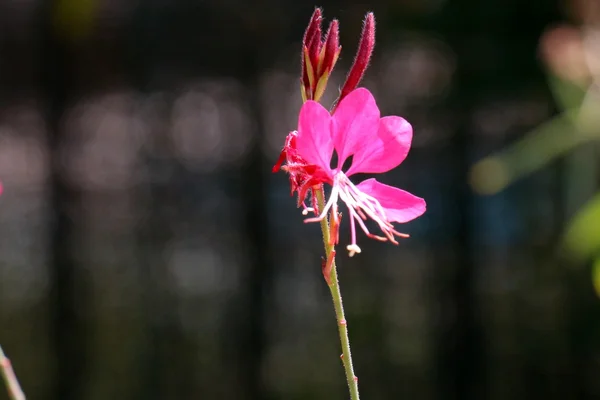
(12, 384)
(336, 295)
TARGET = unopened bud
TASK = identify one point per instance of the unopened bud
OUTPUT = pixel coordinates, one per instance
(312, 36)
(327, 58)
(311, 46)
(363, 56)
(318, 56)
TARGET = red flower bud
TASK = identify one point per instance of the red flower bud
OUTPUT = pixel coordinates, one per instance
(312, 36)
(327, 58)
(331, 49)
(363, 56)
(318, 56)
(311, 43)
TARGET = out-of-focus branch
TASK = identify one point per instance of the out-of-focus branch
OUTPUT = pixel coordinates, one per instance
(574, 78)
(8, 374)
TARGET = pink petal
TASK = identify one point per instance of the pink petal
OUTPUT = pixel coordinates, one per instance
(314, 142)
(384, 151)
(399, 205)
(355, 119)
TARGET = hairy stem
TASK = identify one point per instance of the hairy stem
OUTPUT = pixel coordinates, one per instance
(334, 288)
(12, 384)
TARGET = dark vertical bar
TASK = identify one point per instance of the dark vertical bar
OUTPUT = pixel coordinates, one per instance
(256, 225)
(67, 291)
(581, 301)
(461, 355)
(254, 193)
(166, 360)
(152, 230)
(468, 353)
(165, 365)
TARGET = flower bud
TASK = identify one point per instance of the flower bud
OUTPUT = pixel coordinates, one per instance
(363, 56)
(318, 56)
(311, 43)
(312, 35)
(327, 58)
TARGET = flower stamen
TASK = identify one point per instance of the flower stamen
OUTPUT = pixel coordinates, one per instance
(361, 207)
(306, 209)
(352, 249)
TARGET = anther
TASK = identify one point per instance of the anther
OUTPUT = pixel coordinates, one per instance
(353, 249)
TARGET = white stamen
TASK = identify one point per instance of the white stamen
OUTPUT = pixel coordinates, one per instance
(360, 206)
(332, 199)
(307, 210)
(353, 249)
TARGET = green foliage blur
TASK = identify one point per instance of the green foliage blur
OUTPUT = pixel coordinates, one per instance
(571, 54)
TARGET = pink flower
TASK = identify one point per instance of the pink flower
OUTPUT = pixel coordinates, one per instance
(375, 144)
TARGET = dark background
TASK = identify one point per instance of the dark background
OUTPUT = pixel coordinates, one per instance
(147, 252)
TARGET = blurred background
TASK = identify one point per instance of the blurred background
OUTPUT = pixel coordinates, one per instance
(147, 252)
